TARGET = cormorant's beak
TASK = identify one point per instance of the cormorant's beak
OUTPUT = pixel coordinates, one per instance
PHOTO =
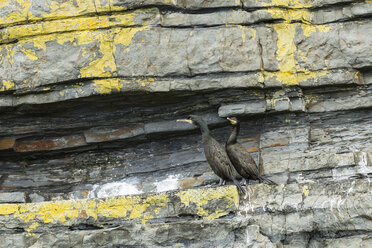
(186, 120)
(231, 120)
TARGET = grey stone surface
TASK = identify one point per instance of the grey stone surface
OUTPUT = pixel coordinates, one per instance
(193, 4)
(295, 5)
(36, 198)
(229, 49)
(217, 18)
(360, 99)
(242, 109)
(12, 197)
(89, 100)
(337, 49)
(270, 216)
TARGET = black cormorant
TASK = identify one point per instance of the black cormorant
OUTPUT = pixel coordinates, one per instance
(241, 158)
(215, 154)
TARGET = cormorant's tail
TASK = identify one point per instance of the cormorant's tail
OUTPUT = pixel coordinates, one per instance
(267, 181)
(236, 182)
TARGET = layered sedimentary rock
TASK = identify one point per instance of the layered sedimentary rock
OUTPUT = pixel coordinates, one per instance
(89, 96)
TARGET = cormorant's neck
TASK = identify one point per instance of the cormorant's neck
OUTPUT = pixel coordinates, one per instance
(233, 135)
(203, 127)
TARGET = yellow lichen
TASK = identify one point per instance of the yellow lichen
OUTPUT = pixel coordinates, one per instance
(294, 78)
(143, 81)
(155, 200)
(6, 209)
(290, 14)
(10, 53)
(254, 32)
(157, 210)
(138, 210)
(305, 190)
(243, 34)
(6, 85)
(135, 207)
(104, 86)
(294, 4)
(307, 29)
(216, 214)
(117, 207)
(290, 72)
(58, 10)
(18, 15)
(104, 66)
(39, 41)
(102, 62)
(202, 197)
(61, 10)
(146, 217)
(286, 47)
(29, 53)
(33, 226)
(124, 36)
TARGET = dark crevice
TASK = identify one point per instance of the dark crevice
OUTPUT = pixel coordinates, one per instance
(7, 93)
(262, 22)
(164, 9)
(3, 177)
(365, 69)
(60, 131)
(9, 41)
(13, 231)
(185, 165)
(366, 17)
(188, 216)
(172, 9)
(338, 5)
(168, 8)
(5, 42)
(82, 81)
(320, 236)
(101, 146)
(70, 82)
(92, 14)
(82, 227)
(335, 87)
(326, 89)
(200, 26)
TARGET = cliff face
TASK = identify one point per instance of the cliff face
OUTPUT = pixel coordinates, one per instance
(89, 95)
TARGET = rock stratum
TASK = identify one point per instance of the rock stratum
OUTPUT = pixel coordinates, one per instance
(91, 154)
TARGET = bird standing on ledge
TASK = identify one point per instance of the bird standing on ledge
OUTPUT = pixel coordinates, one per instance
(241, 158)
(215, 154)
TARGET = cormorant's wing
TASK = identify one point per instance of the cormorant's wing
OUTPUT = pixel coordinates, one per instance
(217, 157)
(243, 159)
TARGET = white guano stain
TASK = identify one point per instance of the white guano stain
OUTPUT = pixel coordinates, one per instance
(363, 164)
(170, 183)
(125, 187)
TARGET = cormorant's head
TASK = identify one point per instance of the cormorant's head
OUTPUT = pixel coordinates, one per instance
(193, 119)
(233, 120)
